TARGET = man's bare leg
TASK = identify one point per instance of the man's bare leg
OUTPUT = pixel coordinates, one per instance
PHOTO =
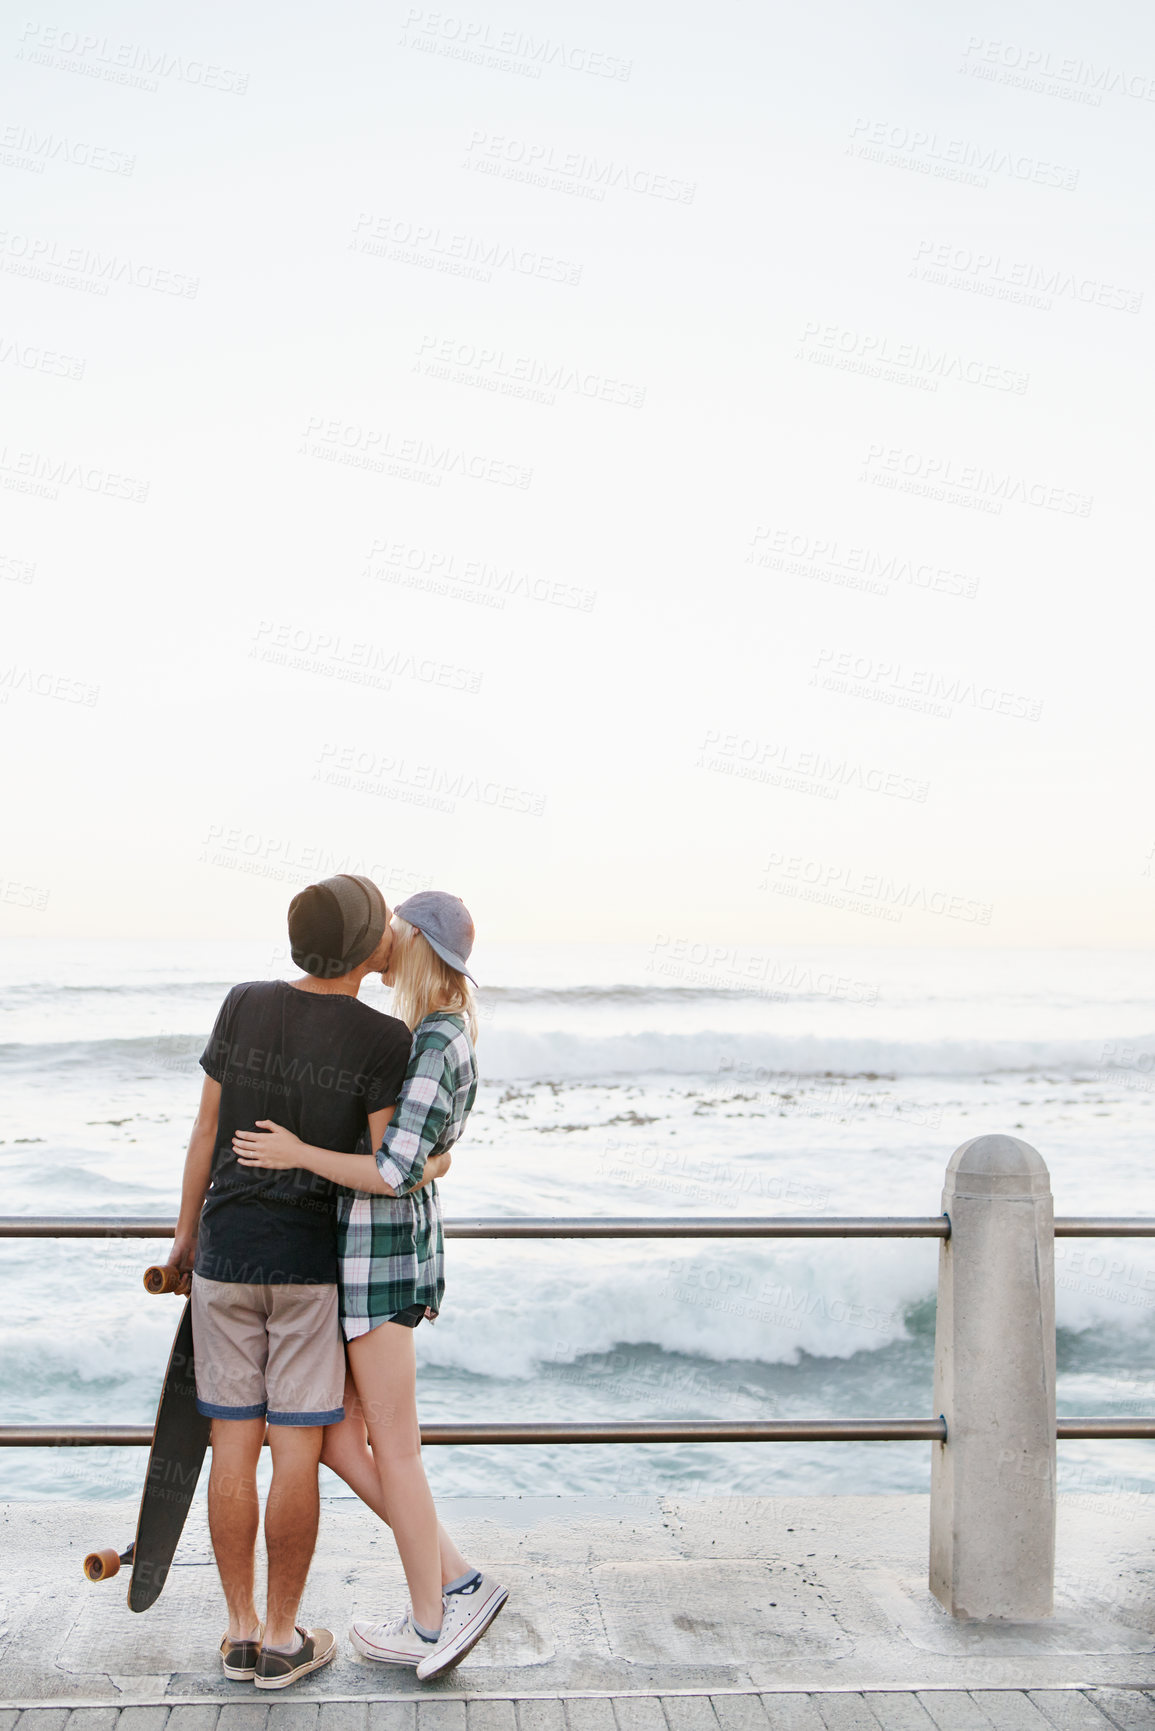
(291, 1514)
(345, 1451)
(233, 1516)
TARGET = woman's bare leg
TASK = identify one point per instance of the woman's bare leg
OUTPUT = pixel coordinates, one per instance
(345, 1452)
(384, 1366)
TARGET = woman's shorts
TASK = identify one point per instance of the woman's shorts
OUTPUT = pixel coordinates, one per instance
(409, 1317)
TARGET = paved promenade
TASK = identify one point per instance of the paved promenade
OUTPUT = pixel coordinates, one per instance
(945, 1710)
(630, 1614)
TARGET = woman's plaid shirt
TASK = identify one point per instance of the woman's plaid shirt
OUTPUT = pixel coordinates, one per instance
(390, 1248)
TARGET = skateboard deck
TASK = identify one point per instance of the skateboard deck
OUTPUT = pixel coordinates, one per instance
(180, 1438)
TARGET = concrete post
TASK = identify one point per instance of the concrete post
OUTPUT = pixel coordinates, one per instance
(992, 1487)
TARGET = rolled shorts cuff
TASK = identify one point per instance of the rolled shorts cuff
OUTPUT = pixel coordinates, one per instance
(334, 1416)
(209, 1409)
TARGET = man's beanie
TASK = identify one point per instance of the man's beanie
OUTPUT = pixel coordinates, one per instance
(336, 925)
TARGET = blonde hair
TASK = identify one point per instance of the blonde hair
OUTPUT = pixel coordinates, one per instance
(423, 983)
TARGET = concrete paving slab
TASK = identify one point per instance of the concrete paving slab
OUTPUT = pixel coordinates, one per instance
(290, 1715)
(343, 1716)
(190, 1718)
(736, 1713)
(792, 1712)
(644, 1713)
(954, 1710)
(1009, 1710)
(1068, 1710)
(1128, 1709)
(548, 1715)
(689, 1713)
(590, 1715)
(438, 1716)
(898, 1712)
(392, 1715)
(246, 1716)
(142, 1719)
(491, 1716)
(848, 1712)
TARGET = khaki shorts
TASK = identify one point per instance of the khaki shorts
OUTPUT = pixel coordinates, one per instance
(271, 1352)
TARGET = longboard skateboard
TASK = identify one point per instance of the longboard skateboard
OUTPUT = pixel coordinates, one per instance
(180, 1438)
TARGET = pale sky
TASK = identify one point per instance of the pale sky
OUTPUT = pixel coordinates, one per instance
(643, 468)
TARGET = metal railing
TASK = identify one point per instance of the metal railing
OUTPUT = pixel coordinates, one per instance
(608, 1226)
(633, 1431)
(527, 1226)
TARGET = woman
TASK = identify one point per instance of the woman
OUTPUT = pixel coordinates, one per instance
(390, 1259)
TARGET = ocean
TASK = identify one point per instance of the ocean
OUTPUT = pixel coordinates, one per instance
(666, 1079)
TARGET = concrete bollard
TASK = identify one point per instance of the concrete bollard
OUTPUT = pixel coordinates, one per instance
(992, 1487)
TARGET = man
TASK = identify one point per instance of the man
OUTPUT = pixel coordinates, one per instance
(259, 1249)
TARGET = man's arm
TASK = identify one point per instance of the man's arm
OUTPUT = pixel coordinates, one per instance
(198, 1167)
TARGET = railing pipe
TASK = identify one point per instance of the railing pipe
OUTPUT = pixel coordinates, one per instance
(656, 1226)
(644, 1430)
(538, 1435)
(528, 1226)
(1115, 1226)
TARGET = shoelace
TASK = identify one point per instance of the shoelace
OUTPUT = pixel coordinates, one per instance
(396, 1627)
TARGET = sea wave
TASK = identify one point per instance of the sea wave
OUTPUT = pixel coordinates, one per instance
(640, 996)
(690, 1304)
(519, 1054)
(41, 991)
(146, 1053)
(786, 1307)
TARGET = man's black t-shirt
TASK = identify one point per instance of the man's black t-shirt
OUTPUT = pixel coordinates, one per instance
(317, 1063)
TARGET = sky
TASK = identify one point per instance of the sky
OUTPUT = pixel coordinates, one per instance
(648, 470)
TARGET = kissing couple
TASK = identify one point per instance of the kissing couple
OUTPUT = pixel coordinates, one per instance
(310, 1238)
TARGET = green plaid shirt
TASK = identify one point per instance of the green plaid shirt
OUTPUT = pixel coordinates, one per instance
(390, 1249)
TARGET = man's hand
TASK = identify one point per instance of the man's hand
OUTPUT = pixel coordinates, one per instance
(182, 1257)
(269, 1145)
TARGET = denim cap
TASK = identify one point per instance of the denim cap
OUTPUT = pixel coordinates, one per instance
(443, 921)
(336, 925)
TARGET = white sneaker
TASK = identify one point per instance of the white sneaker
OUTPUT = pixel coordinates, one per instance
(394, 1642)
(467, 1616)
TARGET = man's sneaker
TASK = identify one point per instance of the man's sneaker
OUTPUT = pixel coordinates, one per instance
(394, 1642)
(278, 1670)
(239, 1658)
(468, 1614)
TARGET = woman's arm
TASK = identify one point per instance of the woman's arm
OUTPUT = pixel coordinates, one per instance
(274, 1148)
(424, 1107)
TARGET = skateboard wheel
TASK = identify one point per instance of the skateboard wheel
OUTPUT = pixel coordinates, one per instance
(160, 1278)
(100, 1565)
